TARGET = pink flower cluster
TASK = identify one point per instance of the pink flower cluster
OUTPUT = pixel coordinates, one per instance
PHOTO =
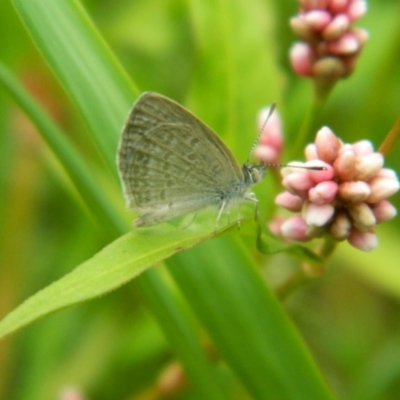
(346, 200)
(329, 46)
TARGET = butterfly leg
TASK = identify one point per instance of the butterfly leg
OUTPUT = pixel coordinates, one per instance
(239, 219)
(190, 222)
(251, 197)
(221, 210)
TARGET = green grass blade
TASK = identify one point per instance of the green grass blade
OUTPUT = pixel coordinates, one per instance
(92, 193)
(82, 61)
(246, 322)
(199, 366)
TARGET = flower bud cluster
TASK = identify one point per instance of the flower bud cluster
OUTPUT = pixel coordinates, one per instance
(329, 44)
(345, 200)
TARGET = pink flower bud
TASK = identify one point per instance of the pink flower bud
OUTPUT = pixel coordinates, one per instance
(345, 165)
(311, 152)
(356, 9)
(363, 148)
(271, 138)
(336, 28)
(302, 29)
(298, 182)
(338, 6)
(360, 34)
(387, 173)
(313, 4)
(365, 241)
(323, 193)
(384, 211)
(368, 166)
(382, 188)
(317, 215)
(345, 147)
(267, 154)
(362, 215)
(330, 68)
(289, 201)
(275, 225)
(345, 44)
(327, 145)
(320, 175)
(295, 228)
(272, 131)
(317, 19)
(341, 226)
(301, 57)
(354, 192)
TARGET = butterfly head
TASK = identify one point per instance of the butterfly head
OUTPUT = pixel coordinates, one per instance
(253, 173)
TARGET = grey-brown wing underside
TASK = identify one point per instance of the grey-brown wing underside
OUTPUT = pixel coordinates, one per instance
(170, 162)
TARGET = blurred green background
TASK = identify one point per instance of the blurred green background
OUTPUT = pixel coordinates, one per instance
(112, 348)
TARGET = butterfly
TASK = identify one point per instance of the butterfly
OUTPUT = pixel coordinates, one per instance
(171, 163)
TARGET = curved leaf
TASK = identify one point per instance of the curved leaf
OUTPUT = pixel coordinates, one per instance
(268, 244)
(115, 265)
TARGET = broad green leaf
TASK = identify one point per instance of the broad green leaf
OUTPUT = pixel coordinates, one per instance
(115, 265)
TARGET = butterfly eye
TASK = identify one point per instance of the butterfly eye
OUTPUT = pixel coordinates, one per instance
(256, 174)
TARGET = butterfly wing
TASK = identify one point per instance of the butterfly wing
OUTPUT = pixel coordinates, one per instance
(171, 163)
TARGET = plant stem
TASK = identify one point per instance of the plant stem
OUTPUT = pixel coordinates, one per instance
(391, 139)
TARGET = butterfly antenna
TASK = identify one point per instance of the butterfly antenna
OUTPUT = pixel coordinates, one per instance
(313, 168)
(270, 111)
